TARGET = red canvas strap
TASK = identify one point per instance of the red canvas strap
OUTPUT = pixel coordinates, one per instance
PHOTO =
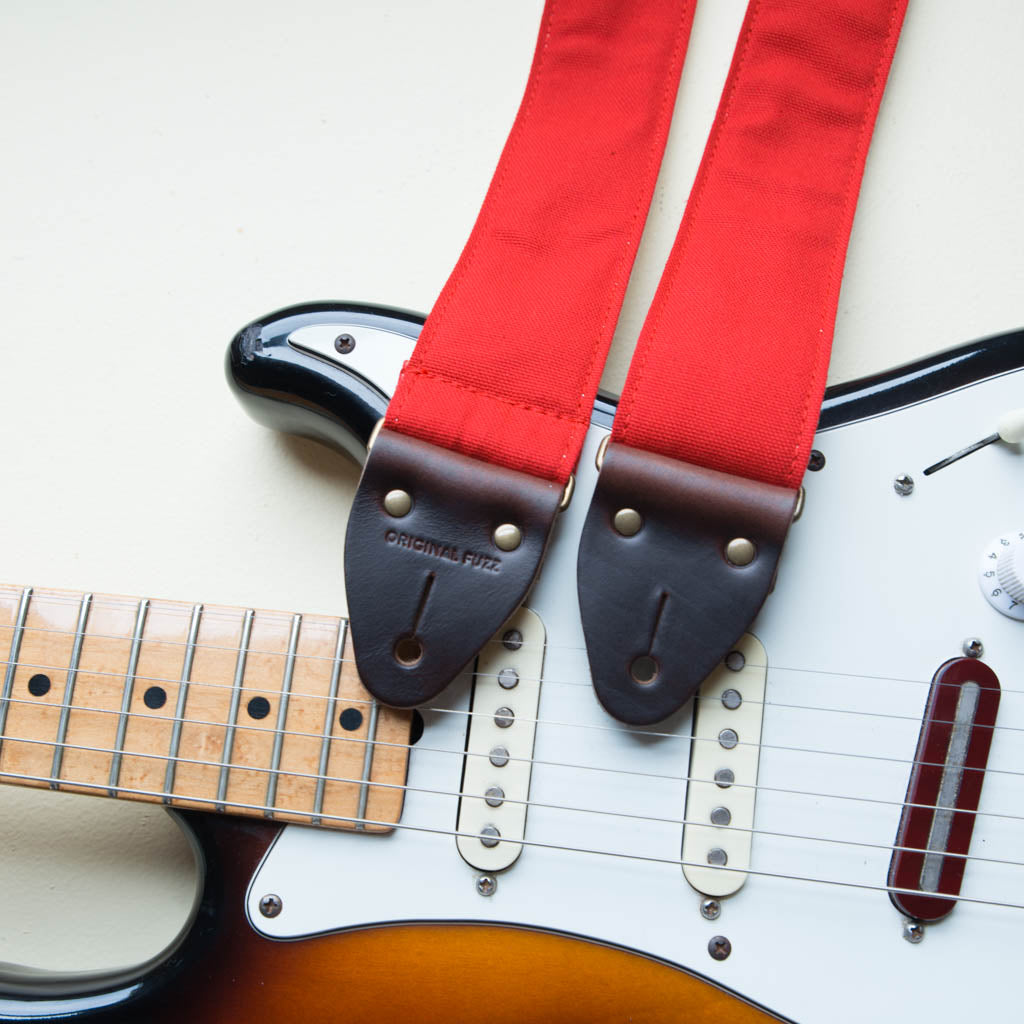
(489, 415)
(715, 424)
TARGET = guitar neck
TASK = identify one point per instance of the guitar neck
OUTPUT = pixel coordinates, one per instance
(195, 706)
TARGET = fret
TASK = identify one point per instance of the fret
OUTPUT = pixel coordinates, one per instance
(282, 715)
(332, 703)
(303, 736)
(179, 707)
(371, 743)
(69, 690)
(126, 698)
(17, 631)
(92, 713)
(215, 660)
(236, 696)
(33, 711)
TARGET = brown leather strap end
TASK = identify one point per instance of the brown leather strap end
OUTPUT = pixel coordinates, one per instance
(665, 584)
(441, 549)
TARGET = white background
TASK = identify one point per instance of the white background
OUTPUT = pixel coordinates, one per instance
(171, 171)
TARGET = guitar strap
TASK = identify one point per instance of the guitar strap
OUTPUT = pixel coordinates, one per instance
(700, 480)
(698, 485)
(463, 483)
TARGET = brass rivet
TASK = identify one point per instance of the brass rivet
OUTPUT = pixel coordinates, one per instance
(508, 537)
(397, 503)
(740, 551)
(628, 521)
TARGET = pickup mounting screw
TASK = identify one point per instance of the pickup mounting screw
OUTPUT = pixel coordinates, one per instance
(913, 931)
(973, 647)
(719, 947)
(486, 885)
(710, 909)
(344, 343)
(903, 484)
(271, 905)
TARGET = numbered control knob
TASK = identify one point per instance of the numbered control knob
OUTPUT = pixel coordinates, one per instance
(1001, 574)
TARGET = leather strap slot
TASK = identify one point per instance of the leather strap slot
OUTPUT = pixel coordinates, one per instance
(432, 575)
(661, 601)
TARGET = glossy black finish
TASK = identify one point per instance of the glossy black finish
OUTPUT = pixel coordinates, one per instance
(289, 390)
(297, 393)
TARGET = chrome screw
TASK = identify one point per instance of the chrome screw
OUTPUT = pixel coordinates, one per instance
(710, 909)
(903, 484)
(719, 947)
(344, 343)
(913, 931)
(973, 647)
(271, 905)
(486, 885)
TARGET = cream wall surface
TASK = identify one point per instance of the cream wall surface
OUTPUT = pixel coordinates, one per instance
(171, 171)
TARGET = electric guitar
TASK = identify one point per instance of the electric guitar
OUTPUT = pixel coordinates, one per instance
(510, 852)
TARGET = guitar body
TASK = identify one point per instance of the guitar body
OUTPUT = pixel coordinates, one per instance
(595, 920)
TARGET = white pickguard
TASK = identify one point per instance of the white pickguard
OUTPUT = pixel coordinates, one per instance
(875, 592)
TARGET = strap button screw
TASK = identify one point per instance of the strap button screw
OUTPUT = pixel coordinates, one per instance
(628, 521)
(397, 503)
(740, 551)
(508, 537)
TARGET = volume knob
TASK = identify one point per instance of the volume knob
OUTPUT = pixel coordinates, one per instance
(1001, 574)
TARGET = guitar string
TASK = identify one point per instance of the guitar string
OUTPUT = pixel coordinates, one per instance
(626, 730)
(552, 764)
(406, 788)
(675, 862)
(408, 746)
(333, 627)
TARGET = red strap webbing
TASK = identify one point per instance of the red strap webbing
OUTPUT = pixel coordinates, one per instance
(508, 363)
(730, 367)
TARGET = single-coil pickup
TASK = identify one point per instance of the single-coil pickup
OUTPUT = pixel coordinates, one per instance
(721, 793)
(499, 744)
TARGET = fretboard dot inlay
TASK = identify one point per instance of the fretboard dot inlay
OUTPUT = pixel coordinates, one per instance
(39, 685)
(351, 719)
(258, 707)
(155, 697)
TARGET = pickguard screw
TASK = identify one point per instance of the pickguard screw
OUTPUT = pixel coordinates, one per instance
(973, 647)
(710, 909)
(486, 885)
(816, 462)
(344, 343)
(903, 484)
(271, 905)
(913, 931)
(719, 947)
(512, 640)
